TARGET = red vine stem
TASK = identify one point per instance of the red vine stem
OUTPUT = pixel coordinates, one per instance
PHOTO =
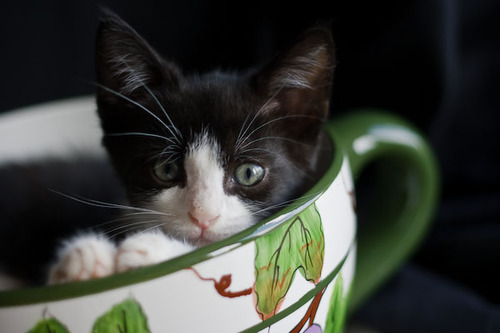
(222, 285)
(311, 312)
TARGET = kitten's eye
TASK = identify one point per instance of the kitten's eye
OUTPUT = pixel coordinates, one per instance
(249, 174)
(166, 171)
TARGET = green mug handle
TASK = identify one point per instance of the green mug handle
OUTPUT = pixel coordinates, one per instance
(400, 208)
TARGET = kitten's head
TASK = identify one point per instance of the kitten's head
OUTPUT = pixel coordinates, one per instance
(211, 154)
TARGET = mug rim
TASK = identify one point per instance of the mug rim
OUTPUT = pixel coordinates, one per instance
(50, 293)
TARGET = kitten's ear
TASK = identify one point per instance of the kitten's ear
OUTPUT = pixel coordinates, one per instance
(125, 63)
(299, 80)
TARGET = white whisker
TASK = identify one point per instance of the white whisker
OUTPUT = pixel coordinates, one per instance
(240, 146)
(272, 138)
(173, 155)
(156, 136)
(240, 134)
(133, 102)
(100, 204)
(242, 137)
(285, 203)
(128, 217)
(178, 137)
(128, 227)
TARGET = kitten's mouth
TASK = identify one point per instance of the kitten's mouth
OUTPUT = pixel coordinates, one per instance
(204, 237)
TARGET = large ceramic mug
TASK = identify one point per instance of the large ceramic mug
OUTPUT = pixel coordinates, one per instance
(297, 271)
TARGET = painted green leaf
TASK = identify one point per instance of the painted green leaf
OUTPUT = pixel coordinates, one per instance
(275, 264)
(312, 248)
(337, 309)
(49, 325)
(124, 317)
(295, 245)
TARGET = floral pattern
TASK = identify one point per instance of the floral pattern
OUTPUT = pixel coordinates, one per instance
(298, 245)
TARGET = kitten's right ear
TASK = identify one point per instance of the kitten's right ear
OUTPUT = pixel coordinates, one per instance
(299, 80)
(126, 64)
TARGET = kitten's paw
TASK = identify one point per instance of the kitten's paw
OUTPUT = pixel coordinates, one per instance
(147, 248)
(83, 258)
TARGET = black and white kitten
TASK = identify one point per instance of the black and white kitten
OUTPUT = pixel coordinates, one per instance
(202, 157)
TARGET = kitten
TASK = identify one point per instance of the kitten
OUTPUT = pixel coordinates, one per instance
(202, 157)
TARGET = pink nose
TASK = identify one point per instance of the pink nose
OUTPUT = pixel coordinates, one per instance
(202, 219)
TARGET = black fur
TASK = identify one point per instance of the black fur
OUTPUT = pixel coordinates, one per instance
(35, 218)
(219, 103)
(281, 107)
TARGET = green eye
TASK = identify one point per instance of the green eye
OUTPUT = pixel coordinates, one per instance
(248, 174)
(166, 171)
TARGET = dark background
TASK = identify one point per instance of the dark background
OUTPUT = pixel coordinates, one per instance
(435, 62)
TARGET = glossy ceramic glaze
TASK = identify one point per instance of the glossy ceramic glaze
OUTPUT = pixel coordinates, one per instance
(292, 272)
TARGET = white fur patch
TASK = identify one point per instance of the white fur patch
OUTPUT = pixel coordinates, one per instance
(148, 248)
(92, 256)
(83, 257)
(202, 196)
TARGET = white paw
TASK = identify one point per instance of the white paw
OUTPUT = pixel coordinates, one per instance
(147, 248)
(82, 258)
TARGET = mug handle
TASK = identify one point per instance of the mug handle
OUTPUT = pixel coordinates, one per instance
(399, 210)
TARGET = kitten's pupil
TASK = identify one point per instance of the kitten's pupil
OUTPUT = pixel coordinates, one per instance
(248, 174)
(166, 171)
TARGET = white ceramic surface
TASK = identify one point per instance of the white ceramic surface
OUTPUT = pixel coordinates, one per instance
(187, 299)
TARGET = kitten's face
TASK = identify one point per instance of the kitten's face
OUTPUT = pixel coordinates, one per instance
(212, 154)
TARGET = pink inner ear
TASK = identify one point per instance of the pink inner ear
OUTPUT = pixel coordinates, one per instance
(308, 105)
(304, 70)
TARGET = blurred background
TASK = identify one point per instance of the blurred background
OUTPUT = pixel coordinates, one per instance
(434, 62)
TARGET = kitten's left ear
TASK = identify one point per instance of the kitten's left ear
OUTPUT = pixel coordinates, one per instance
(126, 63)
(300, 79)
